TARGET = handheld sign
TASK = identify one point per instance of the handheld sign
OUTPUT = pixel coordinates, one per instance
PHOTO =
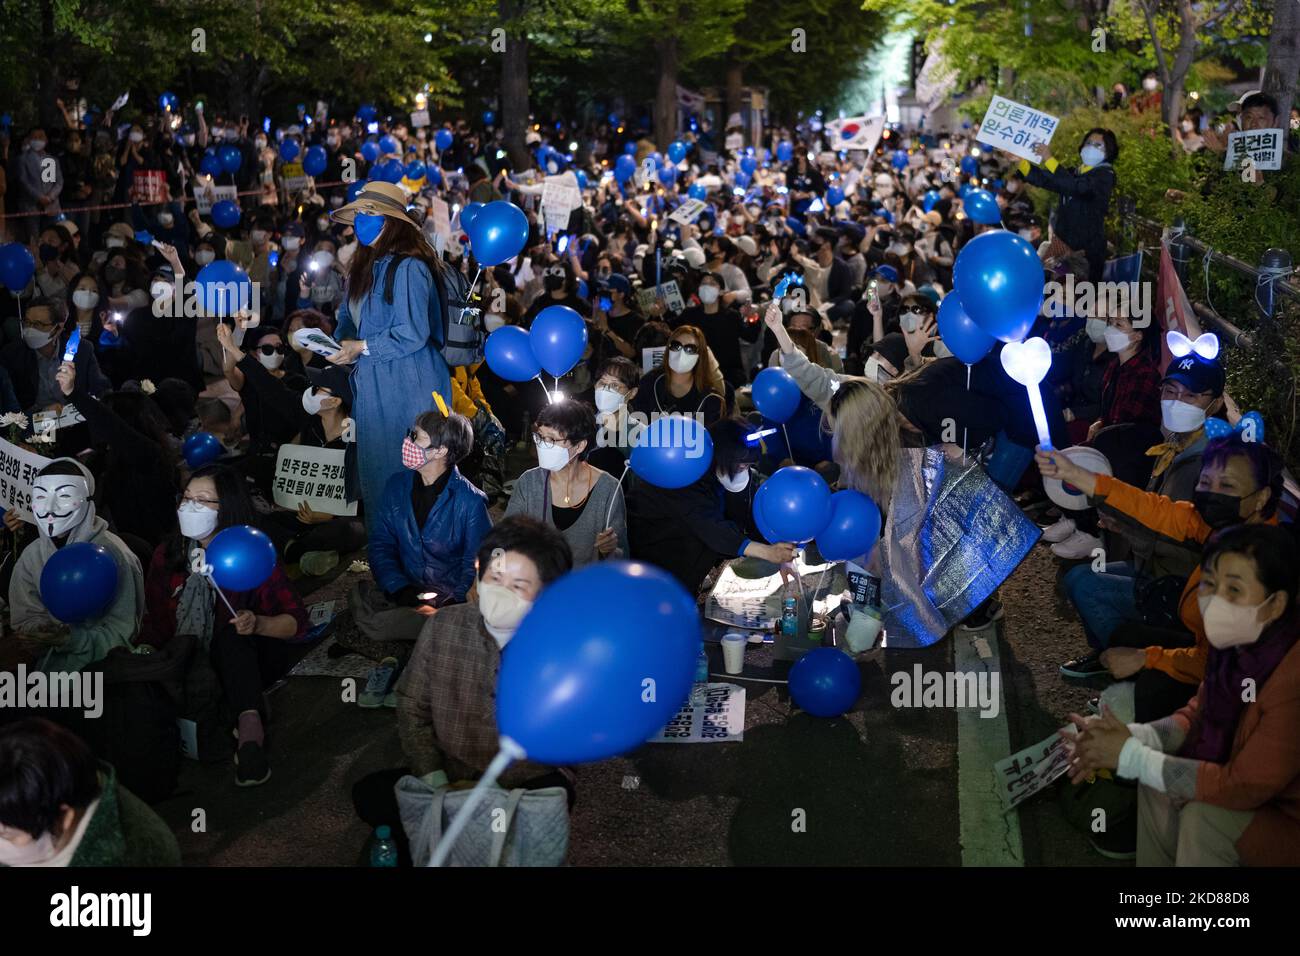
(1261, 147)
(1016, 128)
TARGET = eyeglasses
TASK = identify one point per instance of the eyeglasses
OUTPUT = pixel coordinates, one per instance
(410, 433)
(271, 349)
(212, 503)
(686, 347)
(541, 442)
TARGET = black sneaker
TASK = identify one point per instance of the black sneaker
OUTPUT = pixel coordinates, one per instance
(984, 615)
(251, 768)
(1083, 668)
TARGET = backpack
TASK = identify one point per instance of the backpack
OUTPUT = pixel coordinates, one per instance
(464, 334)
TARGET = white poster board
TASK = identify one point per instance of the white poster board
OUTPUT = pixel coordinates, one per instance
(720, 720)
(295, 177)
(314, 475)
(1016, 128)
(206, 194)
(18, 468)
(688, 211)
(559, 198)
(1263, 147)
(440, 216)
(651, 359)
(669, 292)
(1035, 768)
(419, 119)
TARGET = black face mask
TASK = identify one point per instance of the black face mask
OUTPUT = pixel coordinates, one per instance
(554, 282)
(1218, 510)
(113, 274)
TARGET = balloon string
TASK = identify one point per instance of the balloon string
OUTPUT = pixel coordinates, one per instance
(963, 427)
(221, 594)
(509, 752)
(614, 498)
(469, 296)
(788, 450)
(549, 399)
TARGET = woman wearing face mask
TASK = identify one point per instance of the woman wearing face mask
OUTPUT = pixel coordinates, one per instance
(1084, 363)
(320, 284)
(251, 650)
(1240, 483)
(682, 383)
(1188, 132)
(259, 377)
(299, 358)
(557, 289)
(53, 268)
(1080, 219)
(584, 503)
(616, 384)
(724, 328)
(444, 696)
(133, 154)
(1220, 778)
(127, 280)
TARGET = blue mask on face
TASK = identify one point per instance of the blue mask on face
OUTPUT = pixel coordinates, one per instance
(367, 227)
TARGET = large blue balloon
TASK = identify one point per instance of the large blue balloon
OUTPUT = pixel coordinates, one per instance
(578, 687)
(825, 682)
(930, 199)
(16, 266)
(370, 150)
(499, 232)
(796, 503)
(760, 519)
(79, 582)
(676, 151)
(784, 151)
(314, 163)
(969, 165)
(201, 448)
(982, 207)
(559, 337)
(223, 288)
(667, 174)
(748, 164)
(443, 138)
(468, 213)
(629, 149)
(242, 558)
(673, 451)
(389, 144)
(834, 196)
(509, 353)
(225, 213)
(624, 168)
(741, 179)
(231, 158)
(210, 165)
(966, 340)
(1000, 279)
(581, 177)
(354, 189)
(697, 191)
(853, 529)
(289, 149)
(366, 112)
(169, 102)
(489, 117)
(389, 171)
(899, 160)
(415, 170)
(776, 394)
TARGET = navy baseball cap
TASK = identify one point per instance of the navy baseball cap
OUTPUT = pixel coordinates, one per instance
(886, 272)
(619, 281)
(1197, 374)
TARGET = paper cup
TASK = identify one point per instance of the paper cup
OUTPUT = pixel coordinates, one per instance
(733, 652)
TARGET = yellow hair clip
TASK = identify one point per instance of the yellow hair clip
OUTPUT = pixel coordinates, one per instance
(442, 406)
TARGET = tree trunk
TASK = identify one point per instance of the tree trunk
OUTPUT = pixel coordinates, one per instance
(514, 83)
(666, 92)
(735, 84)
(1171, 103)
(46, 70)
(1283, 59)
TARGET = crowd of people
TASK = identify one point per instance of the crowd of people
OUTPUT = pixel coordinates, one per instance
(460, 531)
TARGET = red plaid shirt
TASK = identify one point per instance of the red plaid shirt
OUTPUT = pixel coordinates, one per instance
(1130, 393)
(162, 592)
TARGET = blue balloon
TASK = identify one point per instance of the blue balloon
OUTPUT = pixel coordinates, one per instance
(223, 288)
(764, 528)
(624, 168)
(231, 158)
(169, 102)
(573, 686)
(741, 179)
(834, 196)
(629, 149)
(415, 170)
(982, 207)
(225, 214)
(367, 113)
(930, 199)
(899, 160)
(443, 138)
(79, 582)
(390, 171)
(776, 394)
(825, 682)
(697, 191)
(673, 451)
(370, 150)
(499, 232)
(242, 558)
(676, 151)
(559, 337)
(796, 226)
(354, 189)
(657, 158)
(201, 448)
(748, 164)
(489, 117)
(314, 163)
(389, 144)
(784, 151)
(581, 177)
(667, 175)
(509, 353)
(210, 166)
(853, 528)
(289, 150)
(16, 266)
(969, 165)
(965, 340)
(434, 175)
(1000, 279)
(469, 212)
(796, 503)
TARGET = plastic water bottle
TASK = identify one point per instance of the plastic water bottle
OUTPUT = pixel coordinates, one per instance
(790, 616)
(383, 851)
(700, 689)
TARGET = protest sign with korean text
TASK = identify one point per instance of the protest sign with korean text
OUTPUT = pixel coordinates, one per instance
(1263, 147)
(314, 475)
(1016, 128)
(18, 468)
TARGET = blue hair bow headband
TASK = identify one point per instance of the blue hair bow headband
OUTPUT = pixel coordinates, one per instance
(1250, 427)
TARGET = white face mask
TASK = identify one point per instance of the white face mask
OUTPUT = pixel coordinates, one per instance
(1095, 329)
(1013, 186)
(346, 251)
(137, 137)
(708, 294)
(493, 321)
(1027, 235)
(502, 611)
(681, 362)
(1186, 126)
(32, 853)
(553, 458)
(166, 220)
(311, 402)
(323, 260)
(733, 483)
(1180, 417)
(260, 142)
(197, 521)
(204, 256)
(114, 242)
(1116, 340)
(1151, 84)
(291, 243)
(1092, 155)
(607, 400)
(59, 503)
(323, 223)
(258, 236)
(272, 361)
(1230, 625)
(36, 339)
(85, 298)
(874, 372)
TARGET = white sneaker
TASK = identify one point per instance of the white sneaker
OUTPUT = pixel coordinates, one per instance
(1063, 528)
(1078, 545)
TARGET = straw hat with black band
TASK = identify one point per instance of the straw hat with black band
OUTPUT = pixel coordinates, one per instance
(376, 199)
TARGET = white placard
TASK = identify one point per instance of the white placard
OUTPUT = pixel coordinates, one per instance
(419, 119)
(205, 196)
(559, 198)
(1262, 146)
(651, 359)
(688, 211)
(440, 215)
(313, 475)
(1035, 768)
(321, 613)
(18, 468)
(720, 720)
(295, 177)
(1016, 128)
(755, 603)
(669, 292)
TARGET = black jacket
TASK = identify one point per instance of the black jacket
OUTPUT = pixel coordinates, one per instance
(1080, 219)
(21, 364)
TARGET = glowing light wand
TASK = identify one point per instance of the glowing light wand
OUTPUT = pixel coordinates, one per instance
(1027, 362)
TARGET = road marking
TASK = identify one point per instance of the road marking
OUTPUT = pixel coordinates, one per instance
(989, 837)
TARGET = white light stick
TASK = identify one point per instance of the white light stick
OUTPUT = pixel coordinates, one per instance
(1027, 362)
